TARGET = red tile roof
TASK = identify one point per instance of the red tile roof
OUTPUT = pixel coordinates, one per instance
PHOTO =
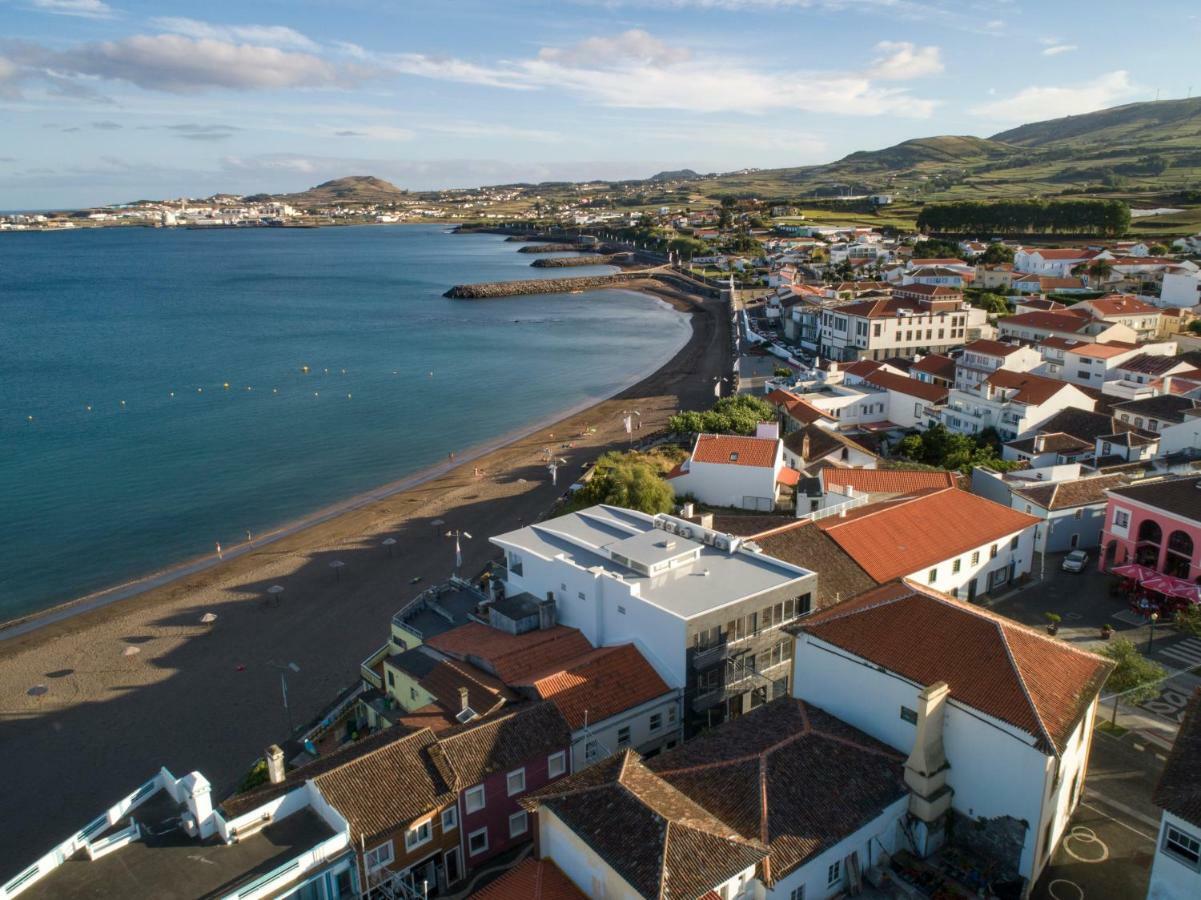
(1063, 253)
(1120, 305)
(862, 368)
(1006, 670)
(886, 481)
(931, 393)
(1032, 389)
(788, 476)
(601, 684)
(898, 538)
(935, 364)
(1059, 320)
(514, 659)
(991, 348)
(1100, 350)
(739, 450)
(937, 261)
(531, 879)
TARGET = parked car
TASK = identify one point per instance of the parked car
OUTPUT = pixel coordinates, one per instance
(1075, 561)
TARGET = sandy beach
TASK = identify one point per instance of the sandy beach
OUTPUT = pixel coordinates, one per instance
(207, 697)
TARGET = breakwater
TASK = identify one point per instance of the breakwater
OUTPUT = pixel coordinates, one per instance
(548, 248)
(484, 290)
(563, 262)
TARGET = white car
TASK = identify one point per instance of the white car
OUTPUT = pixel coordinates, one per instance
(1075, 561)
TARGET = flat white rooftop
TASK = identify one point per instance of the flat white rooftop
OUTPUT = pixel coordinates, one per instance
(686, 570)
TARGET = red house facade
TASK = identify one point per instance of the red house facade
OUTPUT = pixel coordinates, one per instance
(497, 764)
(1156, 524)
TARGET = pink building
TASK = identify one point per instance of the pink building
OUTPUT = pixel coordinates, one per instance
(1156, 524)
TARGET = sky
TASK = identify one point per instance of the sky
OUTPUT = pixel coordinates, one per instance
(107, 101)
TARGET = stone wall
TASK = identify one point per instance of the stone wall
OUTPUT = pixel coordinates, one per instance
(1000, 839)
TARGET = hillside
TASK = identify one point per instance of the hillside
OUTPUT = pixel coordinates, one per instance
(349, 190)
(1167, 123)
(1134, 152)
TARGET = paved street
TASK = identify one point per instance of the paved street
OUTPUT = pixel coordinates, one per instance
(1111, 841)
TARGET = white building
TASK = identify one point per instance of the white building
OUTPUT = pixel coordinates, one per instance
(735, 470)
(1176, 871)
(1180, 289)
(1057, 262)
(1011, 402)
(981, 358)
(916, 318)
(1005, 712)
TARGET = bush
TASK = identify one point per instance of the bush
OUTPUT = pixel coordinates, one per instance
(627, 481)
(1135, 677)
(255, 777)
(730, 415)
(949, 450)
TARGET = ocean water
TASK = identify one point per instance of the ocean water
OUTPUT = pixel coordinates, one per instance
(121, 343)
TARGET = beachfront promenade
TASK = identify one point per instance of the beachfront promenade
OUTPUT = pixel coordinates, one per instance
(207, 697)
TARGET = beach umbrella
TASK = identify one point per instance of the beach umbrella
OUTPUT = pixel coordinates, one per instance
(38, 690)
(438, 522)
(337, 565)
(389, 543)
(208, 618)
(274, 591)
(131, 651)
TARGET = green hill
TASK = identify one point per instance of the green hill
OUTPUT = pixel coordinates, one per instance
(1168, 123)
(352, 189)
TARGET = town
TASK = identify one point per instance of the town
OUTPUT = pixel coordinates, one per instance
(913, 610)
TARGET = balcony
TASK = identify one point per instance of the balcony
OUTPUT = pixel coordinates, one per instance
(706, 659)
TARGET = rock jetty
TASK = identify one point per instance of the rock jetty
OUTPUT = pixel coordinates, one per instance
(561, 262)
(547, 248)
(487, 289)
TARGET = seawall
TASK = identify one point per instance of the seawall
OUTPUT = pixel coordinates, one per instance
(563, 262)
(484, 290)
(548, 248)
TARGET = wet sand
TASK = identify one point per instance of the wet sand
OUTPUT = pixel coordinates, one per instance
(207, 697)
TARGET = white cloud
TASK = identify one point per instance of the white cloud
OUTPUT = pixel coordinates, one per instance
(178, 64)
(633, 46)
(1037, 103)
(261, 35)
(1056, 49)
(636, 70)
(375, 132)
(84, 9)
(901, 60)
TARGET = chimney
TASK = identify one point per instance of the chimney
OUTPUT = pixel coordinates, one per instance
(805, 447)
(926, 767)
(200, 803)
(688, 510)
(275, 764)
(463, 704)
(546, 612)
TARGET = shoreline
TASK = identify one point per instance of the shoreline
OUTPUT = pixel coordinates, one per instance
(28, 623)
(142, 683)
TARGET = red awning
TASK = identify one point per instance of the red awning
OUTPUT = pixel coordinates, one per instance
(1135, 571)
(1170, 586)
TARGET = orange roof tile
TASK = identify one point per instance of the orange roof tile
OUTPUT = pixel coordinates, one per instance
(903, 384)
(1006, 670)
(897, 538)
(986, 347)
(512, 658)
(886, 481)
(789, 476)
(739, 450)
(531, 879)
(601, 684)
(1034, 389)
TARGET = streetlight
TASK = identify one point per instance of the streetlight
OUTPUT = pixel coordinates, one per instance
(1151, 636)
(283, 685)
(456, 534)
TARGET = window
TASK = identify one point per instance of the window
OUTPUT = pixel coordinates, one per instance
(834, 873)
(708, 682)
(475, 798)
(1078, 514)
(1182, 846)
(477, 841)
(514, 563)
(515, 782)
(803, 604)
(623, 736)
(707, 637)
(1013, 542)
(591, 751)
(671, 714)
(450, 819)
(1121, 518)
(391, 679)
(933, 576)
(956, 566)
(975, 557)
(556, 764)
(519, 824)
(580, 595)
(412, 693)
(378, 856)
(419, 834)
(656, 721)
(621, 610)
(992, 552)
(909, 715)
(789, 609)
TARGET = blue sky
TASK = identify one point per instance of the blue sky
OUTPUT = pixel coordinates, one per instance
(110, 100)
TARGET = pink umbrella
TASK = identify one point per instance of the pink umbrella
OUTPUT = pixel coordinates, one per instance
(1161, 584)
(1135, 571)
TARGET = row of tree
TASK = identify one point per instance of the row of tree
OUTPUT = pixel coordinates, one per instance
(1102, 217)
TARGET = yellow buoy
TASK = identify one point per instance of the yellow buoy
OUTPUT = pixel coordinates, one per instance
(226, 385)
(305, 369)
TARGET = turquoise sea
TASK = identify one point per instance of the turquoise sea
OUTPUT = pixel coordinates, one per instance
(120, 345)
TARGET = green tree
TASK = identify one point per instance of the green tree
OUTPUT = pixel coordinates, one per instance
(994, 304)
(935, 249)
(1157, 250)
(688, 247)
(1134, 678)
(997, 253)
(730, 415)
(627, 482)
